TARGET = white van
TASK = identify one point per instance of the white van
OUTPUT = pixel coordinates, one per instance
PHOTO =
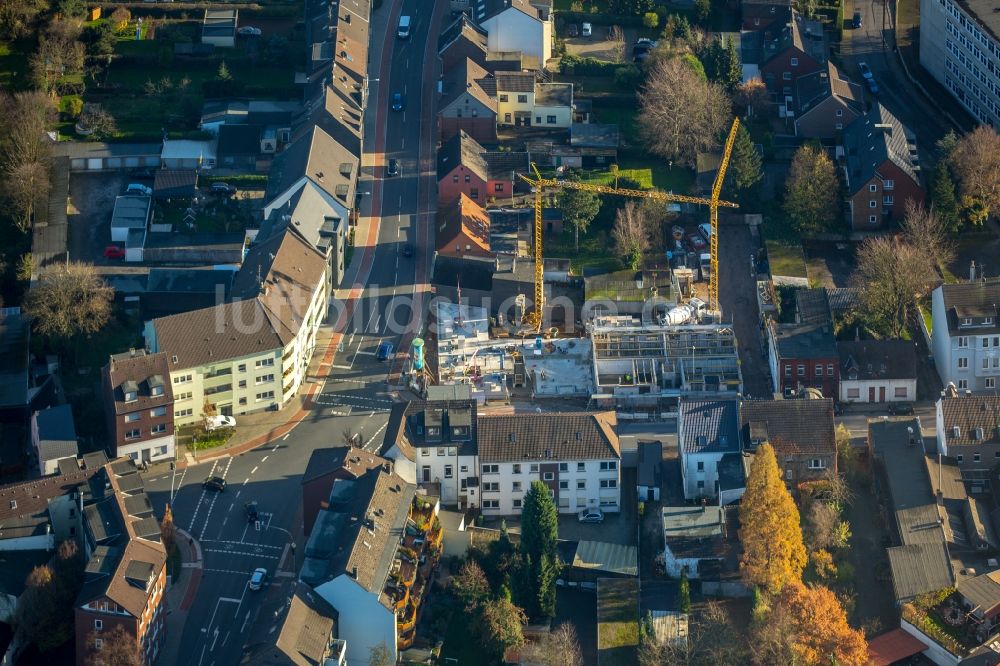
(404, 27)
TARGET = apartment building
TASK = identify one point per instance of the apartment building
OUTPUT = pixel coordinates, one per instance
(139, 406)
(252, 353)
(966, 337)
(968, 430)
(707, 430)
(960, 47)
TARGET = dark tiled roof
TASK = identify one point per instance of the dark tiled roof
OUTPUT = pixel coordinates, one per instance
(143, 371)
(814, 88)
(805, 341)
(487, 9)
(319, 157)
(553, 94)
(347, 459)
(239, 140)
(555, 436)
(975, 299)
(24, 505)
(466, 78)
(501, 165)
(462, 149)
(709, 426)
(595, 135)
(650, 458)
(408, 425)
(793, 427)
(309, 626)
(919, 568)
(170, 183)
(56, 433)
(462, 29)
(877, 359)
(872, 140)
(970, 420)
(812, 306)
(515, 82)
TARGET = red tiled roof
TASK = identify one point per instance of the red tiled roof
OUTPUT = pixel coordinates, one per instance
(893, 646)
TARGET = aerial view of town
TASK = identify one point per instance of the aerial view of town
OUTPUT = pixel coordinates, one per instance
(499, 332)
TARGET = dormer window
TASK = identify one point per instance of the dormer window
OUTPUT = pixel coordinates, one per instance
(988, 321)
(156, 390)
(131, 396)
(966, 321)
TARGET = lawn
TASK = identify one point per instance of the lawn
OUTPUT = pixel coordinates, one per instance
(617, 621)
(459, 643)
(13, 66)
(221, 217)
(594, 246)
(786, 259)
(623, 116)
(648, 172)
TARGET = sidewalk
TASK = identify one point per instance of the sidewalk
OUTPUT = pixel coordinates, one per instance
(180, 597)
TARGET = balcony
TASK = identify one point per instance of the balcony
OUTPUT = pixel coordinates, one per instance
(218, 372)
(413, 569)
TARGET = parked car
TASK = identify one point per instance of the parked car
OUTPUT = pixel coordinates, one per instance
(872, 86)
(586, 30)
(407, 250)
(249, 31)
(393, 168)
(224, 188)
(591, 516)
(257, 578)
(856, 21)
(139, 188)
(114, 252)
(901, 408)
(572, 30)
(384, 351)
(866, 71)
(216, 483)
(697, 242)
(706, 231)
(398, 104)
(143, 172)
(252, 514)
(220, 421)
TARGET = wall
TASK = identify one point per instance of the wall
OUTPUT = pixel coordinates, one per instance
(889, 385)
(468, 113)
(563, 116)
(84, 627)
(674, 566)
(437, 458)
(36, 542)
(569, 500)
(449, 189)
(512, 30)
(825, 381)
(941, 337)
(935, 652)
(820, 122)
(904, 189)
(709, 476)
(364, 622)
(774, 70)
(507, 110)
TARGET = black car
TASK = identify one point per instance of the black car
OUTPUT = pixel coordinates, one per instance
(856, 22)
(252, 514)
(216, 483)
(393, 168)
(398, 103)
(407, 250)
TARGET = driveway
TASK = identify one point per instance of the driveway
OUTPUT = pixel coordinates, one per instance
(91, 203)
(597, 46)
(616, 528)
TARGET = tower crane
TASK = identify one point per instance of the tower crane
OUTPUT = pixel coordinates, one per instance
(533, 319)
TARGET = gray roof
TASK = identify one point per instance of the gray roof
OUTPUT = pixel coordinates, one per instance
(56, 433)
(239, 140)
(548, 436)
(693, 531)
(311, 212)
(607, 557)
(14, 335)
(462, 149)
(985, 14)
(877, 359)
(131, 212)
(487, 9)
(319, 157)
(806, 341)
(462, 27)
(919, 568)
(873, 139)
(650, 459)
(976, 300)
(982, 592)
(814, 88)
(553, 94)
(709, 426)
(594, 135)
(812, 306)
(190, 281)
(970, 420)
(309, 627)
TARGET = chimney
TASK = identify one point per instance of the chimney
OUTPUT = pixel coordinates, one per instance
(972, 270)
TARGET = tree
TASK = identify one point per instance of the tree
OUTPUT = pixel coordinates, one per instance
(702, 8)
(684, 593)
(825, 528)
(976, 161)
(168, 531)
(753, 95)
(579, 209)
(773, 553)
(746, 164)
(943, 197)
(98, 121)
(500, 623)
(925, 230)
(695, 65)
(891, 275)
(680, 114)
(559, 647)
(379, 655)
(822, 562)
(650, 20)
(617, 39)
(712, 639)
(69, 300)
(26, 189)
(539, 533)
(17, 19)
(118, 648)
(813, 627)
(41, 611)
(631, 234)
(24, 118)
(223, 72)
(731, 67)
(25, 267)
(120, 19)
(100, 38)
(59, 54)
(812, 191)
(71, 8)
(471, 584)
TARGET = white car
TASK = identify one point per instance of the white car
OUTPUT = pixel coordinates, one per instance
(139, 188)
(249, 31)
(706, 231)
(865, 70)
(216, 422)
(586, 30)
(591, 516)
(257, 578)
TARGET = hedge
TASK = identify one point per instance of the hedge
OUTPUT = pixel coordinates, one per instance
(575, 65)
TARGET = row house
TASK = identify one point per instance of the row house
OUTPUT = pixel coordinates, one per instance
(789, 53)
(968, 430)
(462, 40)
(966, 333)
(827, 103)
(139, 405)
(803, 356)
(466, 168)
(523, 102)
(878, 371)
(463, 229)
(465, 106)
(517, 25)
(762, 15)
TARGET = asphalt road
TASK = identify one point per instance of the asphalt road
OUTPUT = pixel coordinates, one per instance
(356, 398)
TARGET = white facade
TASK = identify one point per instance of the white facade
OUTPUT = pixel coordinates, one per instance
(443, 465)
(877, 390)
(576, 485)
(513, 30)
(364, 623)
(969, 358)
(159, 449)
(333, 202)
(700, 473)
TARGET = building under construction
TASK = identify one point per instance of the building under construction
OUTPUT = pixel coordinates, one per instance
(639, 365)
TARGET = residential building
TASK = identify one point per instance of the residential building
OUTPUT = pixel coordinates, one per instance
(801, 432)
(462, 40)
(595, 145)
(174, 290)
(649, 475)
(126, 573)
(218, 27)
(788, 53)
(463, 229)
(465, 106)
(503, 170)
(576, 455)
(53, 437)
(139, 406)
(523, 102)
(803, 356)
(968, 430)
(326, 466)
(881, 169)
(15, 334)
(307, 636)
(240, 148)
(693, 539)
(706, 431)
(252, 353)
(966, 333)
(462, 170)
(175, 185)
(179, 154)
(517, 25)
(960, 47)
(765, 15)
(131, 213)
(878, 371)
(827, 103)
(360, 559)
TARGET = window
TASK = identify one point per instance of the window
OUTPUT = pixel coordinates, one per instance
(960, 458)
(242, 367)
(517, 504)
(853, 393)
(819, 370)
(503, 98)
(468, 178)
(581, 467)
(506, 118)
(425, 452)
(788, 371)
(242, 384)
(264, 379)
(609, 465)
(158, 428)
(133, 417)
(522, 99)
(795, 62)
(533, 468)
(517, 468)
(454, 178)
(98, 625)
(183, 396)
(701, 465)
(872, 219)
(491, 504)
(440, 451)
(887, 200)
(888, 184)
(564, 485)
(498, 187)
(516, 487)
(788, 474)
(551, 120)
(829, 369)
(581, 484)
(986, 363)
(899, 392)
(184, 412)
(491, 469)
(872, 203)
(266, 395)
(817, 463)
(840, 113)
(609, 483)
(548, 476)
(158, 411)
(963, 383)
(786, 76)
(474, 193)
(963, 363)
(986, 343)
(463, 469)
(133, 434)
(563, 467)
(802, 370)
(182, 379)
(449, 471)
(98, 644)
(839, 126)
(976, 457)
(963, 341)
(131, 396)
(701, 485)
(264, 363)
(991, 382)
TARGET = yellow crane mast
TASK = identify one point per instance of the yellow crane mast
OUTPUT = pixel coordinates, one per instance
(533, 319)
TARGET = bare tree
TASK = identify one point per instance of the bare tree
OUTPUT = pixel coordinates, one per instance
(118, 648)
(976, 160)
(923, 229)
(556, 648)
(712, 639)
(824, 528)
(70, 300)
(26, 189)
(753, 96)
(98, 121)
(59, 53)
(680, 113)
(892, 275)
(617, 39)
(24, 119)
(631, 234)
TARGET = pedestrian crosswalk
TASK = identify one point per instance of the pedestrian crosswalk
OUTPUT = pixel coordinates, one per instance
(349, 404)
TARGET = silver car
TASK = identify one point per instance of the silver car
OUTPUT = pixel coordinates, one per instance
(257, 578)
(591, 516)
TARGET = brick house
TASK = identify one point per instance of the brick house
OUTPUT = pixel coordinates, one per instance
(465, 104)
(462, 40)
(502, 169)
(803, 356)
(326, 466)
(463, 229)
(793, 51)
(800, 431)
(827, 103)
(881, 169)
(463, 169)
(139, 405)
(760, 15)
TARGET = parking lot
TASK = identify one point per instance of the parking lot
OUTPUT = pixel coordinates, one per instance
(598, 46)
(616, 528)
(91, 202)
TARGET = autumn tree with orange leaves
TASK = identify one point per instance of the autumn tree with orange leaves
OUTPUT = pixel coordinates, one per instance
(773, 552)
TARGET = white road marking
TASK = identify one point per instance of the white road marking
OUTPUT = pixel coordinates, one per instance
(211, 506)
(197, 507)
(264, 459)
(241, 543)
(246, 480)
(233, 552)
(374, 438)
(276, 446)
(342, 367)
(252, 471)
(282, 439)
